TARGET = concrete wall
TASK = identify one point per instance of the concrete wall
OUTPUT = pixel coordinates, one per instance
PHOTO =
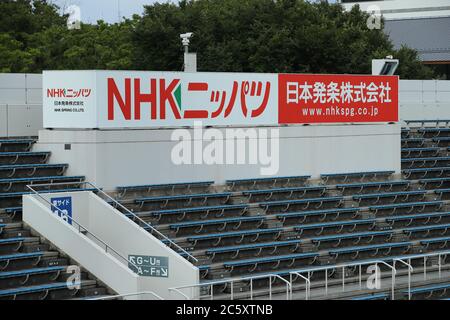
(118, 232)
(133, 157)
(20, 104)
(406, 9)
(79, 247)
(424, 99)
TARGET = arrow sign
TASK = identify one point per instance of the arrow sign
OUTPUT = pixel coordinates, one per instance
(149, 266)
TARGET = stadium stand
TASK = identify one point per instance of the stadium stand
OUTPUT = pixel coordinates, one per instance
(276, 225)
(30, 267)
(253, 227)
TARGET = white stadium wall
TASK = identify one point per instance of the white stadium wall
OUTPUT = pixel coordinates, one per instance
(424, 99)
(144, 154)
(111, 158)
(20, 104)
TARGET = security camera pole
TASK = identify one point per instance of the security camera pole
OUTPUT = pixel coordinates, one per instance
(190, 59)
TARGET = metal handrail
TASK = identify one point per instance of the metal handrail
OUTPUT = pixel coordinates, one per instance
(232, 281)
(146, 224)
(80, 227)
(410, 270)
(324, 268)
(343, 266)
(307, 280)
(137, 294)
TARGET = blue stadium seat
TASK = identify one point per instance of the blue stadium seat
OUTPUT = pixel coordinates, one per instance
(422, 122)
(422, 162)
(170, 186)
(359, 175)
(429, 290)
(297, 192)
(418, 206)
(435, 172)
(435, 182)
(164, 200)
(304, 204)
(236, 223)
(319, 228)
(443, 193)
(369, 236)
(35, 289)
(441, 242)
(199, 212)
(253, 235)
(420, 152)
(385, 248)
(393, 196)
(30, 170)
(20, 157)
(413, 142)
(357, 188)
(16, 145)
(292, 245)
(378, 296)
(272, 181)
(434, 132)
(428, 217)
(7, 184)
(441, 140)
(19, 256)
(29, 272)
(322, 215)
(428, 229)
(254, 263)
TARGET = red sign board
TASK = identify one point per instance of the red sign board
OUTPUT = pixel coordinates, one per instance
(337, 98)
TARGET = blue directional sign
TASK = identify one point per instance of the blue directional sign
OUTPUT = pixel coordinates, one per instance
(149, 266)
(65, 206)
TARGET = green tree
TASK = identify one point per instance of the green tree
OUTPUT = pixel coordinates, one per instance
(265, 36)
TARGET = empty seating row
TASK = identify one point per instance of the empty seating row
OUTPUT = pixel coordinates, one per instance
(434, 132)
(344, 177)
(427, 292)
(15, 199)
(19, 184)
(197, 213)
(291, 192)
(23, 157)
(13, 145)
(420, 173)
(32, 170)
(172, 188)
(183, 200)
(435, 183)
(407, 207)
(421, 152)
(428, 162)
(272, 182)
(413, 142)
(423, 122)
(385, 186)
(403, 196)
(303, 204)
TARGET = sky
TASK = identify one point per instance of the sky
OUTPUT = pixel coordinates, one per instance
(108, 10)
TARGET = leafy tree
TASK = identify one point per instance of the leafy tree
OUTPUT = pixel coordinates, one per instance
(230, 35)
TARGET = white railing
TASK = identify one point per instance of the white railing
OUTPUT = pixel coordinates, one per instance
(232, 282)
(306, 275)
(80, 227)
(151, 229)
(128, 295)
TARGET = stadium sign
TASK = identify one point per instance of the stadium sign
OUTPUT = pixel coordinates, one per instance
(130, 99)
